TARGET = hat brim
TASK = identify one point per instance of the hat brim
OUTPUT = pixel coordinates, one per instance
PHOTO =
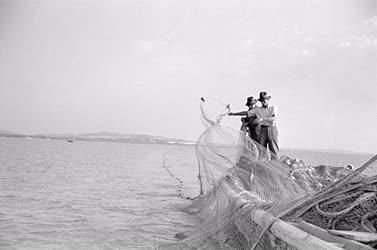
(254, 101)
(264, 98)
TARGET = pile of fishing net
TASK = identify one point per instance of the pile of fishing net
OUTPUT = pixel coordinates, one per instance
(349, 204)
(237, 177)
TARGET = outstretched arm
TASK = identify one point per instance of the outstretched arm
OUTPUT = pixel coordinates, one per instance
(242, 113)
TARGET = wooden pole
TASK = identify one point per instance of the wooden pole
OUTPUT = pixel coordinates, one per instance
(325, 235)
(290, 234)
(286, 232)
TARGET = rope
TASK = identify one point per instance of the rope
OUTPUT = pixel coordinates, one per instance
(290, 162)
(212, 123)
(366, 224)
(362, 198)
(179, 180)
(220, 116)
(335, 189)
(358, 193)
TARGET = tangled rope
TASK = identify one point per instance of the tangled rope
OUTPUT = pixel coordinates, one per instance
(351, 206)
(349, 203)
(362, 198)
(366, 224)
(299, 166)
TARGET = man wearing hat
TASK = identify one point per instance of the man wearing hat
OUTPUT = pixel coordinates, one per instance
(266, 118)
(248, 123)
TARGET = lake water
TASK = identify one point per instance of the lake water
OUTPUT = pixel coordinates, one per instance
(85, 195)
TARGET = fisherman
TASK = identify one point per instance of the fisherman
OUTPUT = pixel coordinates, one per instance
(266, 119)
(248, 124)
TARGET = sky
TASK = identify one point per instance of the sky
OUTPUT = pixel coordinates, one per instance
(141, 66)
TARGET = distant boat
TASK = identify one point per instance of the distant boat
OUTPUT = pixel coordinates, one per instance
(70, 140)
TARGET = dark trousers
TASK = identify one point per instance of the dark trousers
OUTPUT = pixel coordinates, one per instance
(254, 133)
(268, 137)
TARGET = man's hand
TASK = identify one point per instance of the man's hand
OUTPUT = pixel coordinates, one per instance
(259, 120)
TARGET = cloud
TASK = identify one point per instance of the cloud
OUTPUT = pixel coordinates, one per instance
(306, 52)
(361, 42)
(370, 26)
(159, 43)
(344, 45)
(149, 46)
(366, 39)
(249, 43)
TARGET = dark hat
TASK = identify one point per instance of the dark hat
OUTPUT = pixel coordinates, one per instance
(251, 100)
(263, 96)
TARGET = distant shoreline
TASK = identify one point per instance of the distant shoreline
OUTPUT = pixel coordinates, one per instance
(133, 140)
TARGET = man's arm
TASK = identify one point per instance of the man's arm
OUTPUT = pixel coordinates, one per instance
(270, 119)
(242, 113)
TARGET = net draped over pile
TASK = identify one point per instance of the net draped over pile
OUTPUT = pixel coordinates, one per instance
(237, 177)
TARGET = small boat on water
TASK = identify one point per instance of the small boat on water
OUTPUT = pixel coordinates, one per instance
(70, 140)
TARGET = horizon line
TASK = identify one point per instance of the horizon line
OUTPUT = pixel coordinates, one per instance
(323, 150)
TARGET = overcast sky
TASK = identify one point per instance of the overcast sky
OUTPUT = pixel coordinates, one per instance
(141, 66)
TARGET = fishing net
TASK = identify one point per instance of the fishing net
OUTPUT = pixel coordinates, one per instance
(237, 176)
(349, 204)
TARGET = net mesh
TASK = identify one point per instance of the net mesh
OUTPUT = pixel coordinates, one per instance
(237, 176)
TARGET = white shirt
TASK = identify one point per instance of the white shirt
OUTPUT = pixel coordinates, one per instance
(261, 113)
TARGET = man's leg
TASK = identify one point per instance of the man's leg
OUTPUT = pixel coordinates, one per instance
(263, 140)
(273, 142)
(254, 133)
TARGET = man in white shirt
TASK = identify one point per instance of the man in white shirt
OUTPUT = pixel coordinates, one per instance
(266, 118)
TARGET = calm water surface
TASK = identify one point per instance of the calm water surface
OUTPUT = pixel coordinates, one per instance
(86, 195)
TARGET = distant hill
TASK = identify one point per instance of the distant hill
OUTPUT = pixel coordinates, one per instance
(119, 136)
(136, 138)
(115, 137)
